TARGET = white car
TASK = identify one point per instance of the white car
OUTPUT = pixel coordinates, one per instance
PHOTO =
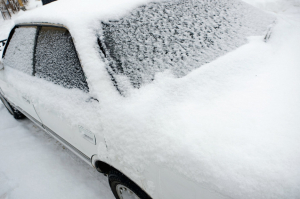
(67, 69)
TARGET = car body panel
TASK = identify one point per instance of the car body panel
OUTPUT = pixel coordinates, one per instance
(17, 97)
(176, 186)
(53, 120)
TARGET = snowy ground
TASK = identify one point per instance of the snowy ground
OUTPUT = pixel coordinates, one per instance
(33, 165)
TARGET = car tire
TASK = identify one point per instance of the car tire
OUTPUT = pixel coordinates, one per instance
(124, 188)
(12, 110)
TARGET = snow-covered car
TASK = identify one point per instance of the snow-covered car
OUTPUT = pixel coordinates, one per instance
(77, 73)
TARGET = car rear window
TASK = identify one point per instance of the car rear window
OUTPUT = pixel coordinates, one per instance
(57, 60)
(19, 52)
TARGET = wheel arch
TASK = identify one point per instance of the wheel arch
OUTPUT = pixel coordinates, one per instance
(103, 167)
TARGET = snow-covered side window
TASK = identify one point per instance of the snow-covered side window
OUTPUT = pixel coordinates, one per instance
(19, 53)
(178, 35)
(57, 60)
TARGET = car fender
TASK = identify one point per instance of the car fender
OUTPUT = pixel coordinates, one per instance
(176, 186)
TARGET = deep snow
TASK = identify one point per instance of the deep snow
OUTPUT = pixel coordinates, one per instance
(243, 117)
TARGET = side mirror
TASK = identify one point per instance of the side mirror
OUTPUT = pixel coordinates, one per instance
(1, 65)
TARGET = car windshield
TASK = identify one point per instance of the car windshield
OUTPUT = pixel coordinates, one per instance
(176, 35)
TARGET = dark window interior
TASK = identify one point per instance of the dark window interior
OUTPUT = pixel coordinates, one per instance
(56, 59)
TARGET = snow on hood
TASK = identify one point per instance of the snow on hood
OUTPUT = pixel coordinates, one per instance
(232, 125)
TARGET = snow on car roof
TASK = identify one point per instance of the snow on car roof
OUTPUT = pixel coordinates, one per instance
(82, 14)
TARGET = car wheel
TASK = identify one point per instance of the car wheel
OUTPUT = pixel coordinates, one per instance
(12, 110)
(124, 188)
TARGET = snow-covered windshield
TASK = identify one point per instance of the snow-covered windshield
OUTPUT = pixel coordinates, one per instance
(175, 35)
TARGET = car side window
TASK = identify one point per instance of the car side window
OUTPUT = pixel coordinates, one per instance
(56, 59)
(20, 49)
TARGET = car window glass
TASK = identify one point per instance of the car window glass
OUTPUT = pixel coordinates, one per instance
(154, 38)
(56, 59)
(19, 53)
(178, 36)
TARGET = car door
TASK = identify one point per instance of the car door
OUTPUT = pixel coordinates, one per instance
(18, 56)
(56, 61)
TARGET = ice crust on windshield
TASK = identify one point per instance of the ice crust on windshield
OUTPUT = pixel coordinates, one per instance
(177, 35)
(19, 53)
(57, 61)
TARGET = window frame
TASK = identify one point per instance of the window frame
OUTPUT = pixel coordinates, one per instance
(39, 27)
(8, 40)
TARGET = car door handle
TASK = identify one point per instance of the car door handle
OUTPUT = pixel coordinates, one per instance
(87, 135)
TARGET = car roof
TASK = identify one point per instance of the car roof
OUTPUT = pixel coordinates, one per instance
(84, 13)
